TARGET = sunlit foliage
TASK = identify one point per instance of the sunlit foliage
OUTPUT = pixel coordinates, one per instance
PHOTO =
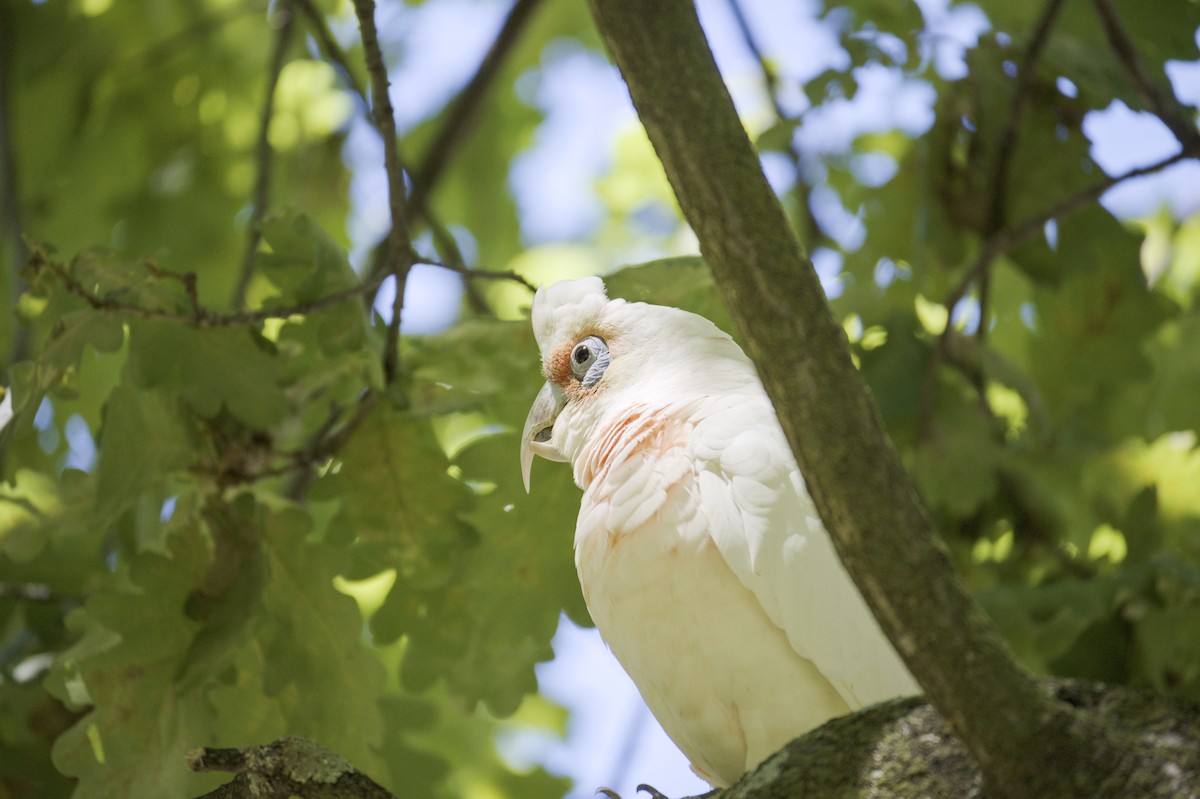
(222, 522)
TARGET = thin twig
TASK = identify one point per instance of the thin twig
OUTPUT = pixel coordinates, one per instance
(1163, 106)
(200, 317)
(999, 183)
(186, 279)
(395, 254)
(1007, 239)
(771, 82)
(446, 140)
(205, 317)
(461, 113)
(483, 274)
(391, 352)
(1008, 137)
(327, 440)
(443, 239)
(384, 120)
(283, 19)
(447, 247)
(332, 50)
(770, 76)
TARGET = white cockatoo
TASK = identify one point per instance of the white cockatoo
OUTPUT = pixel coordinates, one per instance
(701, 556)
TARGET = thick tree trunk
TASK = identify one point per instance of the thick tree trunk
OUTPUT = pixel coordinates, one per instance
(1026, 742)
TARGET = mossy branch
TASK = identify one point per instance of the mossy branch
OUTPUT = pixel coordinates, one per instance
(285, 768)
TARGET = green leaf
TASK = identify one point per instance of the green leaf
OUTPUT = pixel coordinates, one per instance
(1176, 376)
(79, 329)
(141, 284)
(1169, 641)
(303, 263)
(895, 372)
(230, 598)
(955, 466)
(1042, 623)
(488, 628)
(212, 368)
(316, 665)
(479, 364)
(25, 506)
(1093, 327)
(682, 282)
(133, 739)
(132, 463)
(397, 498)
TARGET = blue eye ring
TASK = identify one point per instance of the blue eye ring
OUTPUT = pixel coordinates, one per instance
(589, 359)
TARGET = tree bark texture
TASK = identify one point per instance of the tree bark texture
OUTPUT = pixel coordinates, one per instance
(903, 750)
(1026, 743)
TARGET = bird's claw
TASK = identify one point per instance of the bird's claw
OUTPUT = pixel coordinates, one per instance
(653, 792)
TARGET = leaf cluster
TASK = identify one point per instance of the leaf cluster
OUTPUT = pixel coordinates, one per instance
(225, 521)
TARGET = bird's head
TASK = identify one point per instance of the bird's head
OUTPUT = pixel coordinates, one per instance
(599, 355)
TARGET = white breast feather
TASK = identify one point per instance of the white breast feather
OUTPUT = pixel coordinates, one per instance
(712, 580)
(767, 528)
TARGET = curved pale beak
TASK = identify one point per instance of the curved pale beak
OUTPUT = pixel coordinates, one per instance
(539, 426)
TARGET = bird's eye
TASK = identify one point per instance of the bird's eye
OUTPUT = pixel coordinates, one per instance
(589, 359)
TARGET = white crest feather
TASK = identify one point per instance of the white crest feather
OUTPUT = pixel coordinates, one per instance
(561, 309)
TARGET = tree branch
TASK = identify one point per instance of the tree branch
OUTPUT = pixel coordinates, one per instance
(395, 254)
(801, 188)
(1008, 137)
(457, 123)
(391, 350)
(993, 224)
(1164, 107)
(454, 129)
(384, 119)
(903, 750)
(283, 18)
(205, 317)
(333, 51)
(417, 205)
(1008, 145)
(199, 316)
(287, 767)
(1025, 743)
(1004, 241)
(327, 441)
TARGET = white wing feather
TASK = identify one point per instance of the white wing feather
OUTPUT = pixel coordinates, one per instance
(765, 525)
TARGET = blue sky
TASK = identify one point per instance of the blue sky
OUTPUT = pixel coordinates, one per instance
(613, 740)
